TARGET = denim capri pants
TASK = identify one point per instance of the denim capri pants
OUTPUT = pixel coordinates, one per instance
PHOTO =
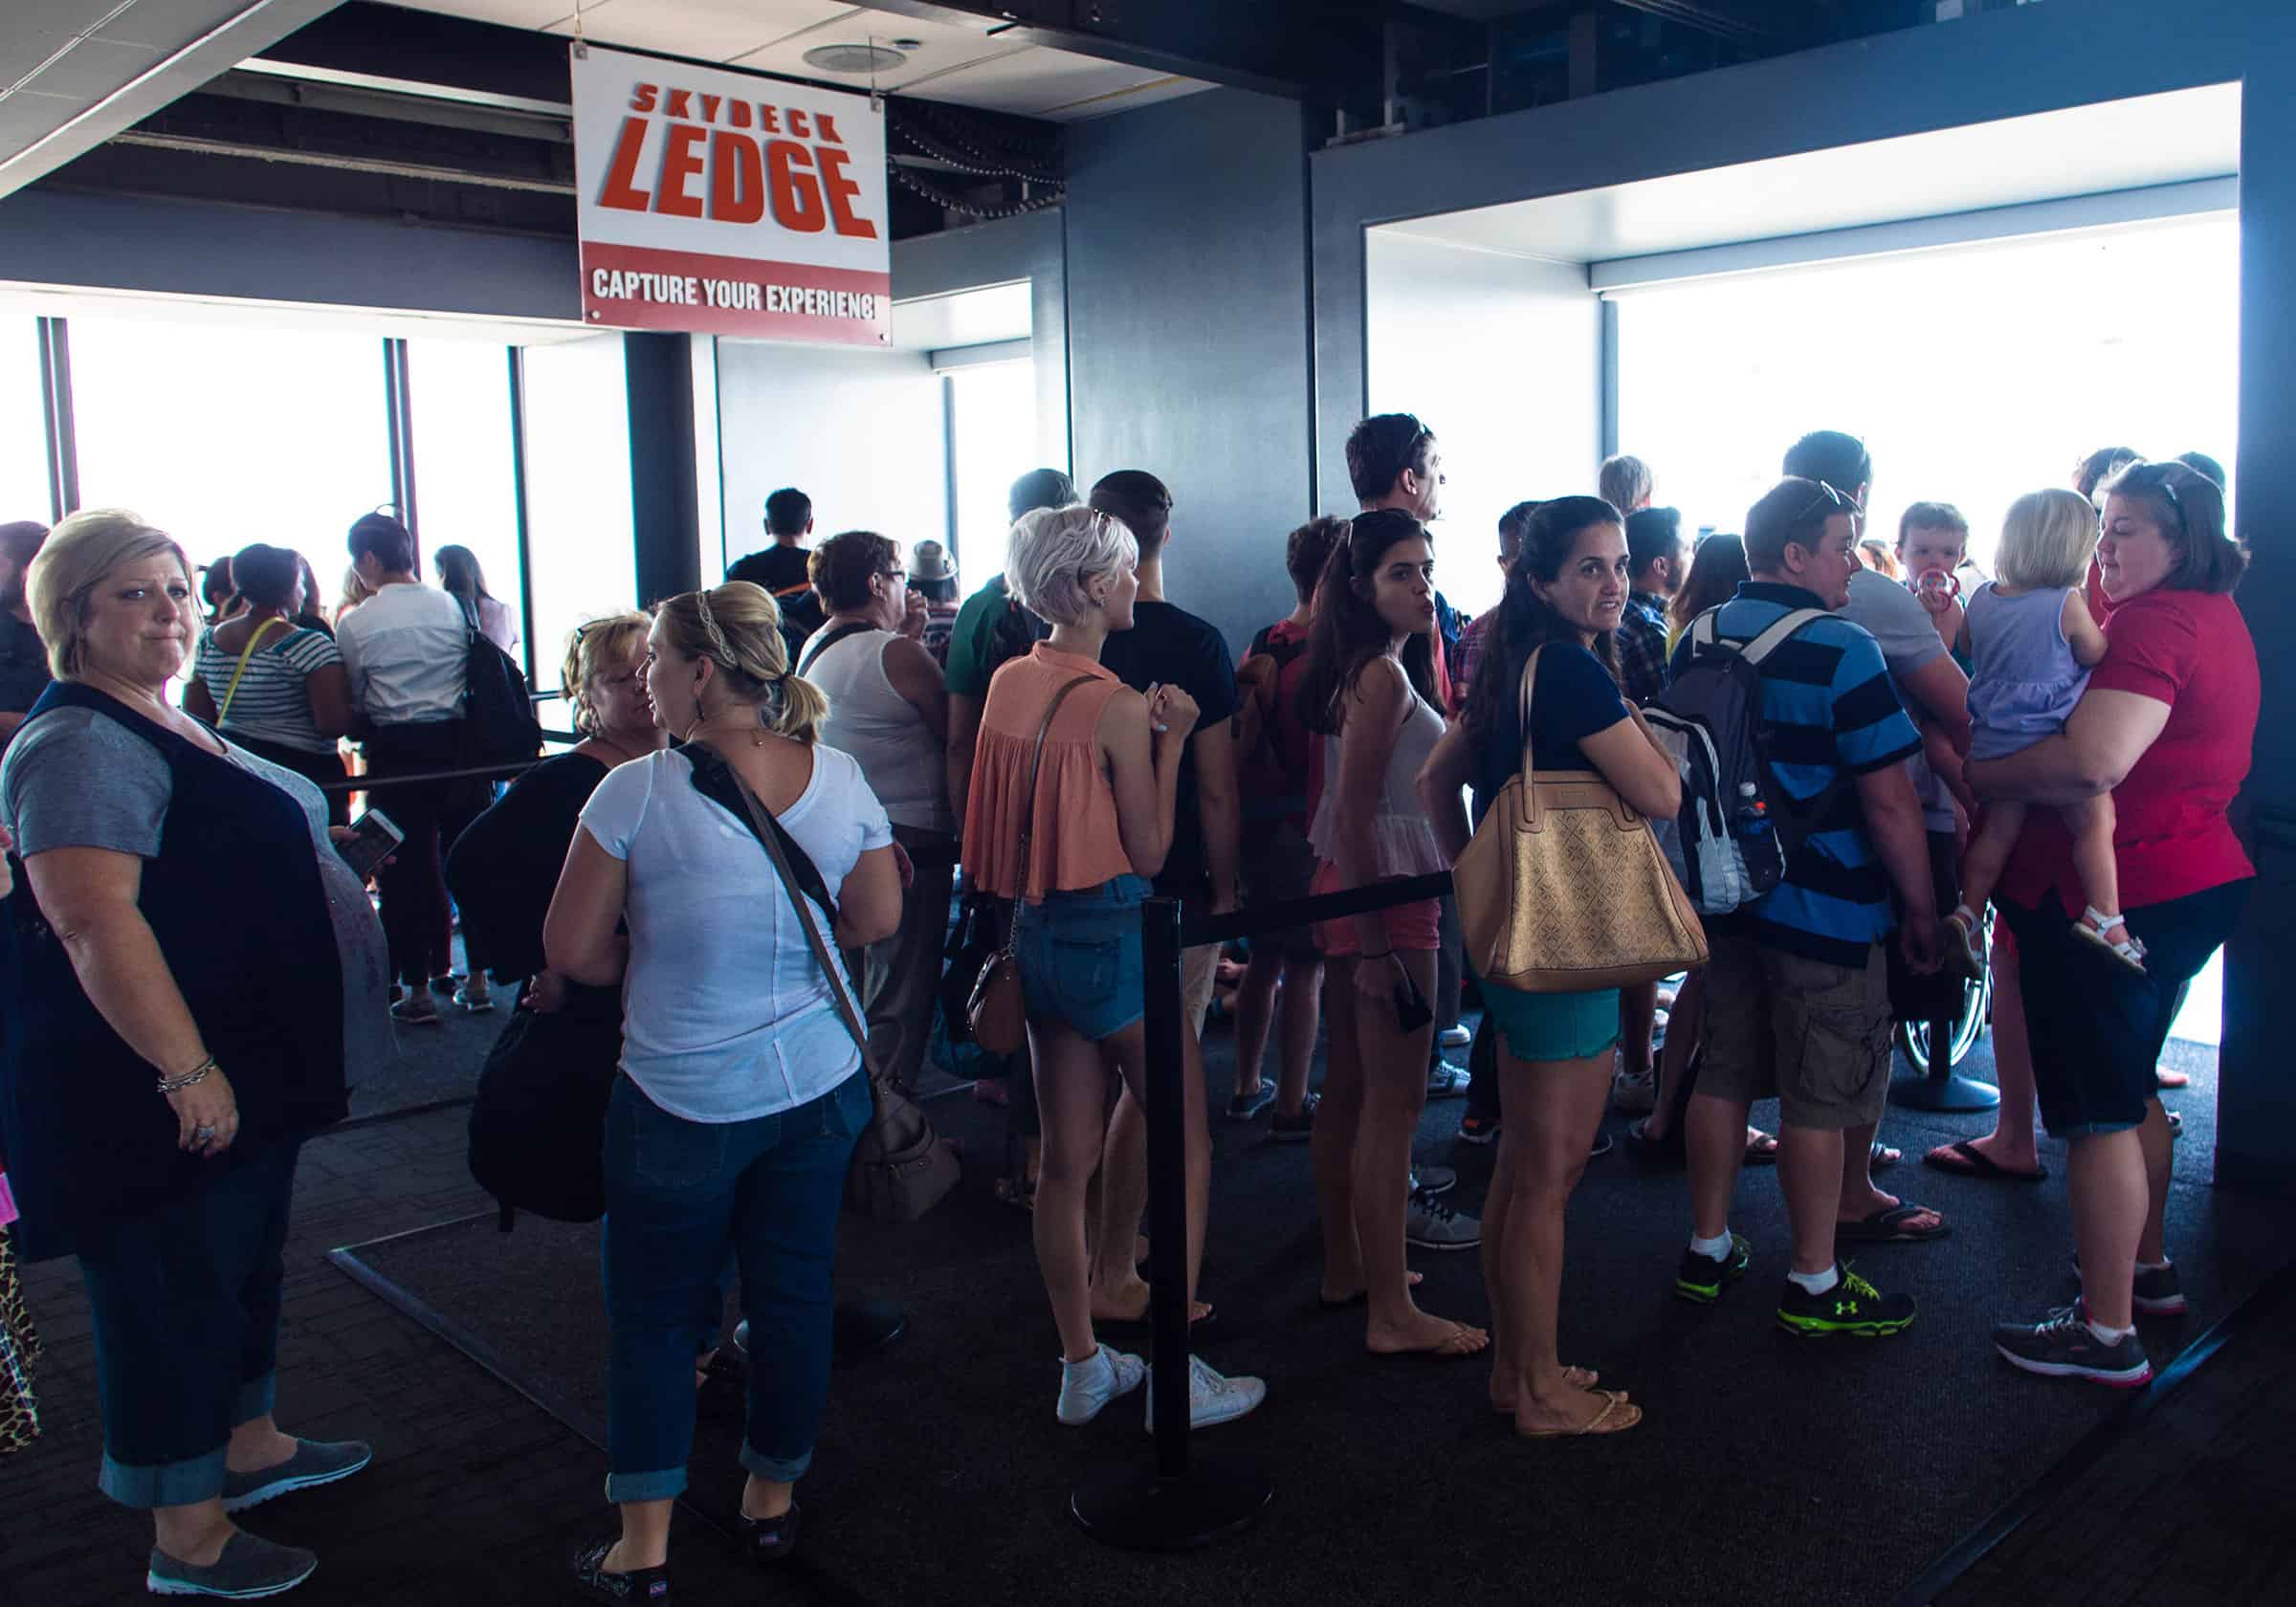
(1079, 955)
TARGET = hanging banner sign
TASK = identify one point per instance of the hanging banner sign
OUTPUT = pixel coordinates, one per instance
(723, 203)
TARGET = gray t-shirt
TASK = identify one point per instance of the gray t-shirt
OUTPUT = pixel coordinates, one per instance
(77, 779)
(1908, 640)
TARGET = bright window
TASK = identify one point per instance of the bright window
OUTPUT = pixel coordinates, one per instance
(465, 485)
(23, 425)
(224, 436)
(578, 514)
(993, 416)
(1975, 375)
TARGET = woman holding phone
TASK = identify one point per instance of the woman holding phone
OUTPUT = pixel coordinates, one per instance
(1369, 691)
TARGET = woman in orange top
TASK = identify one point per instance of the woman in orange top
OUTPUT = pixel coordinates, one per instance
(1096, 826)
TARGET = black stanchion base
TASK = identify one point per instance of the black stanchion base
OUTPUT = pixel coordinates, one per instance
(1952, 1094)
(1141, 1511)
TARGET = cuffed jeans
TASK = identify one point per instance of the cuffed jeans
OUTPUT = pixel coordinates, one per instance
(185, 1301)
(679, 1193)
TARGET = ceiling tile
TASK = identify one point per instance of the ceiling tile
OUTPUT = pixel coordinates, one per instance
(93, 68)
(508, 13)
(25, 117)
(1055, 83)
(167, 25)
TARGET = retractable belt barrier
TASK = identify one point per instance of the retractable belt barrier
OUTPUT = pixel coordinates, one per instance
(1184, 1500)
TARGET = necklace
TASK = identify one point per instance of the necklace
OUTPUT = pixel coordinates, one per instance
(756, 731)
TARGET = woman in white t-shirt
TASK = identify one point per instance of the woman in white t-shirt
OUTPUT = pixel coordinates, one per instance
(741, 1093)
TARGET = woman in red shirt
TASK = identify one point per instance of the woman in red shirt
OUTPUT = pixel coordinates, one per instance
(2167, 726)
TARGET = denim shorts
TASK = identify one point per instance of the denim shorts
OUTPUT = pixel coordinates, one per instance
(1080, 957)
(1552, 1025)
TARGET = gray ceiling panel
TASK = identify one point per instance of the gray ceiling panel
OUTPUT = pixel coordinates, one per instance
(166, 24)
(93, 68)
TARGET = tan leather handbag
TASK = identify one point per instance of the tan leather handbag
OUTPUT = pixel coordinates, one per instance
(1564, 888)
(997, 1012)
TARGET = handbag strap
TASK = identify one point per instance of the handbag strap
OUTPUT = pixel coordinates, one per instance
(254, 638)
(1036, 765)
(1530, 686)
(781, 848)
(849, 627)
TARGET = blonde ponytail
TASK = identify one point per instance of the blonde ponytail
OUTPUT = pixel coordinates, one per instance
(737, 626)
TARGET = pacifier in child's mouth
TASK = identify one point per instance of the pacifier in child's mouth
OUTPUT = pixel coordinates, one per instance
(1932, 581)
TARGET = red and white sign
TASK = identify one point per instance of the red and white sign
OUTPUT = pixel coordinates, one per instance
(723, 203)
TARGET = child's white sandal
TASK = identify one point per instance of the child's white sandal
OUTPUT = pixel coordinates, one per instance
(2094, 923)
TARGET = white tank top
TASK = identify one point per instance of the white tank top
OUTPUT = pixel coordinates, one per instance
(1406, 842)
(900, 756)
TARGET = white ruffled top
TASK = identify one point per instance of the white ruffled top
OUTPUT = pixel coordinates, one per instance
(1404, 840)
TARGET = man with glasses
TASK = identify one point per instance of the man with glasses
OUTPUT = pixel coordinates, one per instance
(1796, 993)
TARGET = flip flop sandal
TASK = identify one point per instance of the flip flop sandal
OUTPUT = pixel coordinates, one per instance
(1614, 1404)
(1761, 1150)
(1973, 1162)
(1888, 1226)
(2163, 1077)
(1885, 1157)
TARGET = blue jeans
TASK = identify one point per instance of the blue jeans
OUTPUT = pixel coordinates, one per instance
(679, 1195)
(185, 1301)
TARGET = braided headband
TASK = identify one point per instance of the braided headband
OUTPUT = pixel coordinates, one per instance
(724, 652)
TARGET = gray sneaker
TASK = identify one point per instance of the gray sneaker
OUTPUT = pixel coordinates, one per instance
(248, 1568)
(1433, 1180)
(315, 1463)
(1213, 1398)
(1432, 1225)
(1445, 1081)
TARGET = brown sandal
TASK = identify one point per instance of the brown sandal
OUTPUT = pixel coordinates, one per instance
(1614, 1404)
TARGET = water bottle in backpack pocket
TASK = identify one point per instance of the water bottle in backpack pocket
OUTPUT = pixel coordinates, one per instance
(1737, 828)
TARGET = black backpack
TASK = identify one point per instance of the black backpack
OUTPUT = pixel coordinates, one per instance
(537, 1125)
(499, 726)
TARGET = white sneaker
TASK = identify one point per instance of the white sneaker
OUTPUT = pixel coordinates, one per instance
(1634, 1094)
(1088, 1386)
(1454, 1038)
(1213, 1398)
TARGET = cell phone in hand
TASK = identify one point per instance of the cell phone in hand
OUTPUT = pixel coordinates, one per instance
(1412, 1011)
(378, 837)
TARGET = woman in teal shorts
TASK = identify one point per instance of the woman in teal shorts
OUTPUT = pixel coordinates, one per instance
(1565, 593)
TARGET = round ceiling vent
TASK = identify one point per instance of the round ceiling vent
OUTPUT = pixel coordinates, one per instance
(853, 59)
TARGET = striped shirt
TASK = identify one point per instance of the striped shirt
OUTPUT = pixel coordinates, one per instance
(272, 704)
(1832, 714)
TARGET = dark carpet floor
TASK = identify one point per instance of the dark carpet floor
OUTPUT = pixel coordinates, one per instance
(1767, 1469)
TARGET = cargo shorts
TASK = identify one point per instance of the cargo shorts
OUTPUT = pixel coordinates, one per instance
(1816, 1036)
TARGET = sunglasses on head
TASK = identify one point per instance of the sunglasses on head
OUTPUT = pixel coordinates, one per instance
(1828, 503)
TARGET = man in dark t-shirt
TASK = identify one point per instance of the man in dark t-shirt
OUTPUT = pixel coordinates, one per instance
(1171, 646)
(784, 568)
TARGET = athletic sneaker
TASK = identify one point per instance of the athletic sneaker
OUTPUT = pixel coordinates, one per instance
(475, 1000)
(1478, 1129)
(1432, 1225)
(1242, 1107)
(1454, 1038)
(1635, 1093)
(1089, 1385)
(1445, 1081)
(315, 1463)
(1433, 1180)
(1212, 1397)
(2158, 1291)
(2066, 1347)
(1851, 1306)
(249, 1568)
(1702, 1279)
(416, 1010)
(1295, 1130)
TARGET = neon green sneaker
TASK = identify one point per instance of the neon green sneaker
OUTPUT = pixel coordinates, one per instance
(1853, 1305)
(1701, 1278)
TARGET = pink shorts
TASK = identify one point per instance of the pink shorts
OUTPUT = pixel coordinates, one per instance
(1415, 925)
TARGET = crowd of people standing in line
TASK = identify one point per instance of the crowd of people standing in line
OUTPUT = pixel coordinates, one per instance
(1074, 741)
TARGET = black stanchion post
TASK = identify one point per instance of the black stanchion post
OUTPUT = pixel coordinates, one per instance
(1184, 1501)
(1941, 1089)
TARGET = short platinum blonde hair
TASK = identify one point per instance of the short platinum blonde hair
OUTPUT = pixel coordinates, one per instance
(73, 563)
(1055, 554)
(1624, 483)
(594, 648)
(2048, 541)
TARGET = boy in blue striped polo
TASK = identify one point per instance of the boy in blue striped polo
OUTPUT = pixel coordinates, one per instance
(1798, 998)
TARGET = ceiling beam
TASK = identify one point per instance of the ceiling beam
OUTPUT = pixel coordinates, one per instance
(1766, 22)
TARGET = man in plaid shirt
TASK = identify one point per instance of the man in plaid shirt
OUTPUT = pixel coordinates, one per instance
(1656, 565)
(1470, 651)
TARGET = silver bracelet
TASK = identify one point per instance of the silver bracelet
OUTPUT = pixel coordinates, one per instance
(190, 1079)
